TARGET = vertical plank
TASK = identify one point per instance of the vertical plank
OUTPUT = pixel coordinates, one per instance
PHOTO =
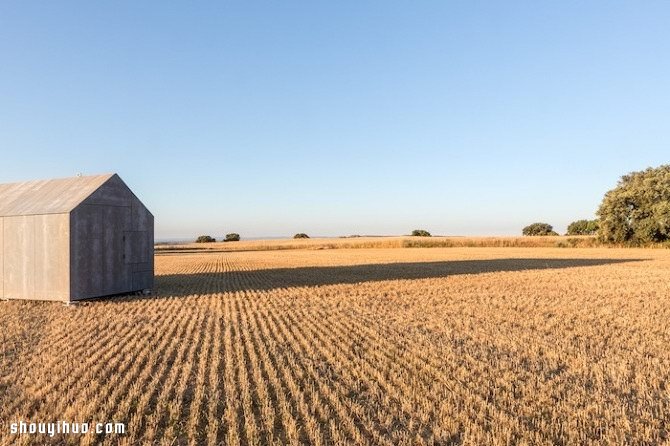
(19, 258)
(52, 259)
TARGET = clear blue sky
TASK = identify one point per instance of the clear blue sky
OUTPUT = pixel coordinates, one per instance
(333, 118)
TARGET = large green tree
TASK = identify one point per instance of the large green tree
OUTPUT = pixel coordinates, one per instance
(583, 227)
(638, 209)
(539, 229)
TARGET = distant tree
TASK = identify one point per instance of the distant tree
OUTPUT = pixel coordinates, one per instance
(583, 227)
(205, 239)
(539, 229)
(232, 237)
(637, 210)
(420, 233)
(301, 235)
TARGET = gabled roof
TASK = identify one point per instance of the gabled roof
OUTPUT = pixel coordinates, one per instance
(56, 196)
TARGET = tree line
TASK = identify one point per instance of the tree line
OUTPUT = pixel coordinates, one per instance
(635, 212)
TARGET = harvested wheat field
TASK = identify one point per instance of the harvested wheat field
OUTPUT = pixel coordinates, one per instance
(470, 346)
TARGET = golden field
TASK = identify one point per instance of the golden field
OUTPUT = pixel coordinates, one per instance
(472, 346)
(365, 242)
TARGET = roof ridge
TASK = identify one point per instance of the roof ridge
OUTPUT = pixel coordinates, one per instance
(52, 196)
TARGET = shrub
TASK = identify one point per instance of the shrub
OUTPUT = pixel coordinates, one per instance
(637, 210)
(583, 227)
(301, 235)
(420, 233)
(232, 237)
(539, 229)
(577, 242)
(205, 239)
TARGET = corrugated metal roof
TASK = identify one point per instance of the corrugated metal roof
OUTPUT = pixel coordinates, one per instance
(48, 196)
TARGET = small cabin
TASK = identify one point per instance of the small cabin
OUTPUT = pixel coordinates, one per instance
(74, 238)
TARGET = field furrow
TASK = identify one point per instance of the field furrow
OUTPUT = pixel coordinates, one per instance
(463, 346)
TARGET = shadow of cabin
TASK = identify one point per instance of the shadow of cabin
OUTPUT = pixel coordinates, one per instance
(178, 285)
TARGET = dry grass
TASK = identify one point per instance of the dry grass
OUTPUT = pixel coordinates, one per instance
(382, 242)
(367, 346)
